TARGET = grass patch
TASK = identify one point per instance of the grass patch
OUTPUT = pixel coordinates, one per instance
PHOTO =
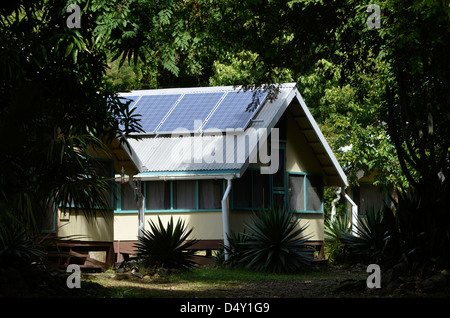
(206, 275)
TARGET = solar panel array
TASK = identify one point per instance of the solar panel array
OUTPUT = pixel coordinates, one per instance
(166, 113)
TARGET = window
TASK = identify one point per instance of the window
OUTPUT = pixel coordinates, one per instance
(157, 195)
(128, 200)
(251, 191)
(314, 193)
(368, 197)
(185, 195)
(260, 190)
(175, 195)
(210, 194)
(305, 193)
(296, 192)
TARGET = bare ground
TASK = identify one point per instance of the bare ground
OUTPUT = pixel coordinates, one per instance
(325, 282)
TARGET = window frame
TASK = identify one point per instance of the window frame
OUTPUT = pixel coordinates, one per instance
(252, 199)
(305, 190)
(171, 209)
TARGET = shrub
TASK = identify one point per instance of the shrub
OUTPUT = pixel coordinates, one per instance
(166, 246)
(334, 248)
(416, 230)
(371, 237)
(17, 247)
(235, 248)
(275, 243)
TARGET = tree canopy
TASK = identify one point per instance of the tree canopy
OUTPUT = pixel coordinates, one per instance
(380, 95)
(55, 105)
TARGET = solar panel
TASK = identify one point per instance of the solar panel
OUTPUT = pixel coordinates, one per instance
(125, 99)
(154, 108)
(232, 111)
(191, 108)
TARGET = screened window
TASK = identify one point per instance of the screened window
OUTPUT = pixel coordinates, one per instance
(184, 195)
(368, 197)
(314, 193)
(260, 190)
(251, 191)
(296, 192)
(305, 193)
(210, 194)
(157, 196)
(242, 191)
(128, 200)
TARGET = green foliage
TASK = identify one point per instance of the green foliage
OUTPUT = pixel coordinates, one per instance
(420, 229)
(275, 243)
(244, 69)
(417, 96)
(415, 231)
(333, 228)
(56, 108)
(17, 247)
(370, 239)
(351, 118)
(235, 248)
(166, 246)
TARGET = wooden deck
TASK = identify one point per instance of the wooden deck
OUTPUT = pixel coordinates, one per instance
(102, 255)
(88, 255)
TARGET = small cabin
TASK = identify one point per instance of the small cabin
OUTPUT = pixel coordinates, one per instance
(213, 156)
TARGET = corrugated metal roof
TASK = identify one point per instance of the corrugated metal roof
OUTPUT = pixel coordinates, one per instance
(206, 153)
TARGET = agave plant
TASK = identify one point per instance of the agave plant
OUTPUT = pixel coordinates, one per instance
(371, 237)
(275, 243)
(235, 248)
(334, 229)
(166, 247)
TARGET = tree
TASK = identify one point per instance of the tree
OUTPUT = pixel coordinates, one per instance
(55, 107)
(417, 97)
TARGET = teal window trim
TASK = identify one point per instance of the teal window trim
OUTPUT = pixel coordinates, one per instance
(171, 196)
(171, 209)
(272, 189)
(203, 172)
(251, 208)
(305, 174)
